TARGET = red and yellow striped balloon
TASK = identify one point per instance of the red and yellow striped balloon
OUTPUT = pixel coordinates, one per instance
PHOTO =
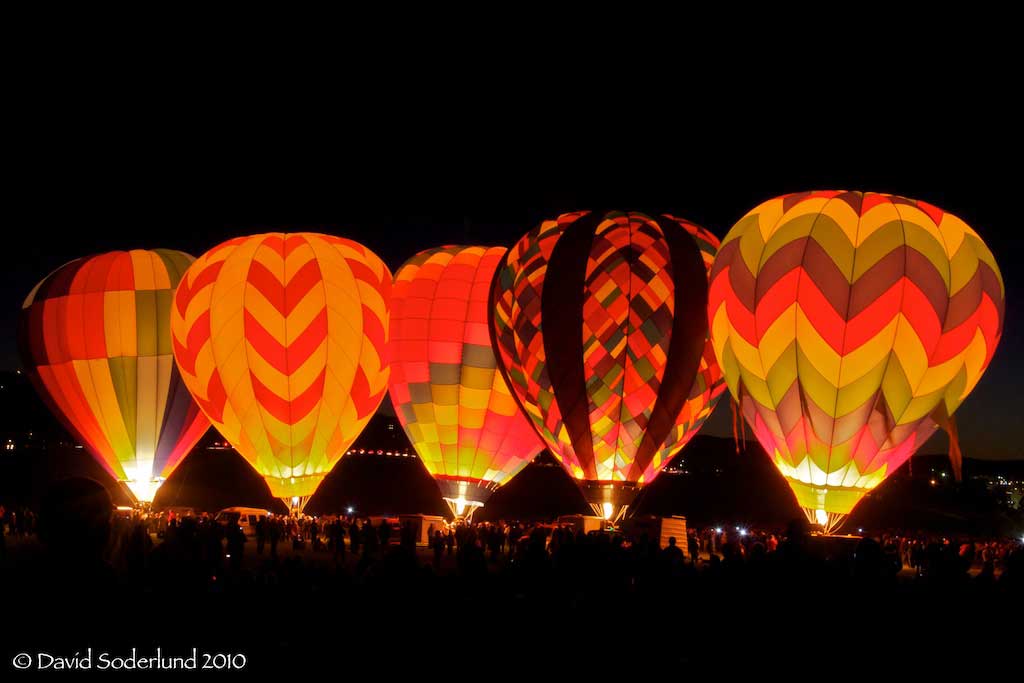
(282, 339)
(447, 391)
(850, 325)
(96, 343)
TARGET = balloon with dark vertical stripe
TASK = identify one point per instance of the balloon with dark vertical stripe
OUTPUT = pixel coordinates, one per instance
(599, 327)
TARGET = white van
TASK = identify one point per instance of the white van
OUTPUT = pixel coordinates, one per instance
(243, 517)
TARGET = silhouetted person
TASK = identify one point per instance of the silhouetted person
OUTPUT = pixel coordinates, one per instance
(338, 538)
(137, 550)
(437, 543)
(74, 525)
(672, 556)
(275, 536)
(353, 534)
(261, 534)
(314, 534)
(384, 531)
(369, 537)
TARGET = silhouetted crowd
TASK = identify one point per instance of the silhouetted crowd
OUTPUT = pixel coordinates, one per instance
(198, 551)
(182, 578)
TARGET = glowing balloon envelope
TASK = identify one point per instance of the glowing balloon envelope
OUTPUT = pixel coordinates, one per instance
(96, 343)
(448, 394)
(850, 325)
(600, 329)
(281, 338)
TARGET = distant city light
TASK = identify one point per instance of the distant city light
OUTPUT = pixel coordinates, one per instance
(718, 529)
(351, 509)
(743, 532)
(860, 530)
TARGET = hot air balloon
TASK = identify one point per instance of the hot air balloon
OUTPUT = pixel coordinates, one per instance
(96, 343)
(849, 325)
(599, 324)
(281, 339)
(448, 394)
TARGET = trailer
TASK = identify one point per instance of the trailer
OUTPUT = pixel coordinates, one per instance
(660, 529)
(423, 526)
(583, 523)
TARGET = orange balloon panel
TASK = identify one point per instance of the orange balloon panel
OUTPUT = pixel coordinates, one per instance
(96, 345)
(449, 396)
(281, 339)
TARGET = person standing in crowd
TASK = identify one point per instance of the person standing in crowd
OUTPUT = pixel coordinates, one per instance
(275, 536)
(369, 536)
(338, 538)
(314, 534)
(261, 534)
(437, 543)
(354, 534)
(693, 545)
(672, 559)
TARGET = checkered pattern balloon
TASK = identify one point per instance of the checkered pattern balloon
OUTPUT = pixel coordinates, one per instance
(599, 325)
(448, 394)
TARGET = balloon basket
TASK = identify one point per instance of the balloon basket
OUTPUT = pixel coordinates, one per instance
(610, 501)
(828, 522)
(462, 510)
(296, 505)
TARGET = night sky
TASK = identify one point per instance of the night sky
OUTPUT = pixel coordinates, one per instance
(126, 185)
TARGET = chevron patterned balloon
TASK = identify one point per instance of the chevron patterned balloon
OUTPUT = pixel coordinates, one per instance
(95, 342)
(447, 391)
(850, 325)
(600, 328)
(282, 338)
